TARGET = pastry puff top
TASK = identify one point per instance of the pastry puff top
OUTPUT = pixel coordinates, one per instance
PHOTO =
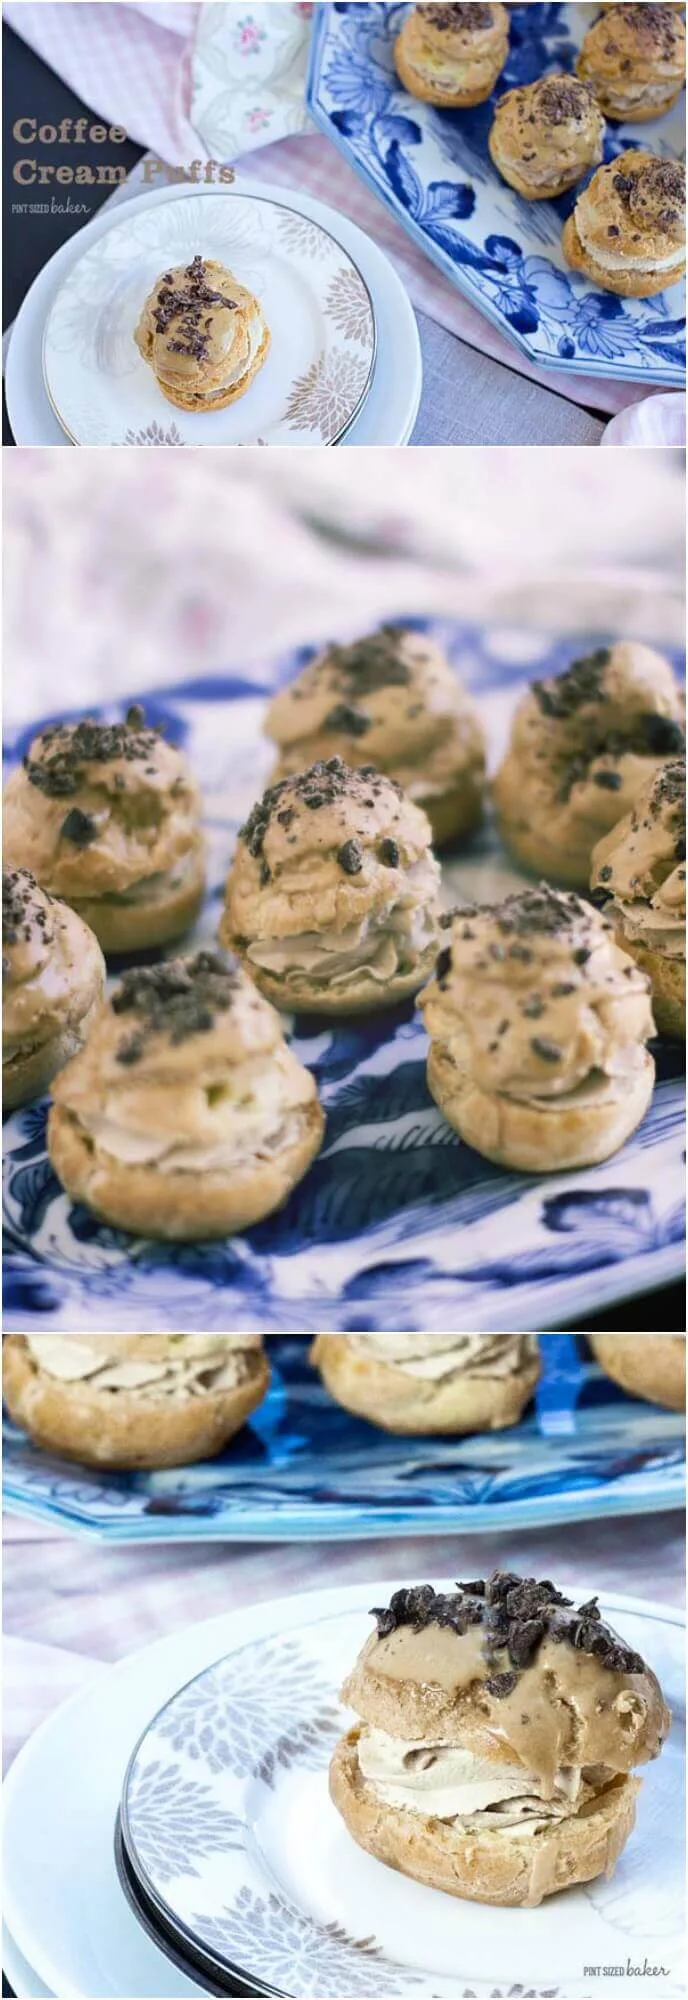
(325, 849)
(556, 117)
(642, 861)
(635, 206)
(460, 33)
(97, 807)
(541, 993)
(385, 699)
(642, 43)
(52, 963)
(194, 323)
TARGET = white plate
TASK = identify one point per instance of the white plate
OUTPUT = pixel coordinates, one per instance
(69, 1918)
(319, 311)
(390, 409)
(22, 1978)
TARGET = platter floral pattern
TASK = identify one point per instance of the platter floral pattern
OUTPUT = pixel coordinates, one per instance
(247, 1895)
(397, 1223)
(321, 359)
(432, 170)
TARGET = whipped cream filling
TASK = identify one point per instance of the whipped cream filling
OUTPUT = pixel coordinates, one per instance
(250, 1116)
(383, 943)
(444, 1781)
(608, 262)
(432, 1357)
(648, 924)
(196, 1365)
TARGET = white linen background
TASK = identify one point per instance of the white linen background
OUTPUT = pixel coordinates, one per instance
(125, 571)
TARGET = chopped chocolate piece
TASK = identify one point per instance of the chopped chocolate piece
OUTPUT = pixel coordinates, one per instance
(609, 781)
(549, 1052)
(65, 749)
(606, 873)
(500, 1685)
(370, 663)
(20, 906)
(662, 736)
(349, 720)
(179, 998)
(78, 827)
(350, 857)
(389, 853)
(458, 16)
(443, 966)
(561, 98)
(582, 682)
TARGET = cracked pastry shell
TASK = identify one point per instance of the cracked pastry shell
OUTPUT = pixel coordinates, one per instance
(627, 232)
(639, 876)
(634, 57)
(452, 55)
(53, 981)
(107, 817)
(332, 897)
(184, 1130)
(391, 699)
(125, 1430)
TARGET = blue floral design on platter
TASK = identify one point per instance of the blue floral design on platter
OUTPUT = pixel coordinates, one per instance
(397, 1225)
(432, 169)
(304, 1467)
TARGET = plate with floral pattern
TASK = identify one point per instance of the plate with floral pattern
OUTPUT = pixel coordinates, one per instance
(304, 1469)
(315, 301)
(397, 1224)
(232, 1841)
(432, 170)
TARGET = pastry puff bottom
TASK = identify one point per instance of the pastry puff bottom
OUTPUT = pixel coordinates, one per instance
(407, 1404)
(651, 1365)
(197, 404)
(82, 1423)
(538, 1138)
(122, 925)
(178, 1207)
(30, 1072)
(514, 1870)
(626, 284)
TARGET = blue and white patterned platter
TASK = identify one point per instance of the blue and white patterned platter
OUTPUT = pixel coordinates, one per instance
(231, 1835)
(304, 1469)
(432, 170)
(397, 1224)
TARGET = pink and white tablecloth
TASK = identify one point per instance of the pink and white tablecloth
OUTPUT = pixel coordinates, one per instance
(70, 1605)
(226, 81)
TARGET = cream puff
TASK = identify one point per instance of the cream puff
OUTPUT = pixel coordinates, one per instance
(185, 1116)
(538, 1023)
(546, 135)
(203, 334)
(634, 57)
(106, 814)
(332, 899)
(417, 1383)
(53, 980)
(133, 1399)
(498, 1727)
(393, 700)
(652, 1365)
(639, 879)
(582, 744)
(628, 228)
(452, 55)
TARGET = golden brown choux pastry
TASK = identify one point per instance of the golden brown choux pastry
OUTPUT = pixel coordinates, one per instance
(582, 744)
(627, 232)
(652, 1365)
(639, 879)
(53, 980)
(452, 55)
(546, 135)
(203, 334)
(419, 1383)
(332, 898)
(133, 1399)
(107, 816)
(537, 1023)
(634, 57)
(186, 1115)
(393, 700)
(497, 1728)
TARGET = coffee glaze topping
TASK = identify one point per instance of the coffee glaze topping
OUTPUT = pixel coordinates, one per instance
(510, 1666)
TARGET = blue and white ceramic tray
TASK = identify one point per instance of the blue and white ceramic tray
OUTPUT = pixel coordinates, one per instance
(229, 1832)
(433, 172)
(303, 1469)
(398, 1224)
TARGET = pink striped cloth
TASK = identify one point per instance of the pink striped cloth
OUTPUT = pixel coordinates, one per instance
(147, 67)
(70, 1605)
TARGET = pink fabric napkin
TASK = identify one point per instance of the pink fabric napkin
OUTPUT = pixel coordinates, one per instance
(208, 80)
